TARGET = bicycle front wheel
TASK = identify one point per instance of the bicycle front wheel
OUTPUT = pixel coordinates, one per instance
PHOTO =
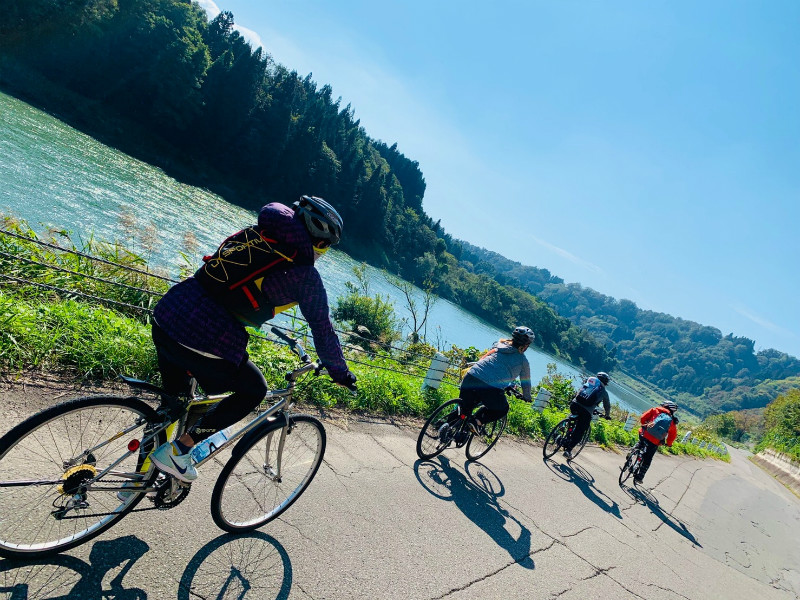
(627, 468)
(262, 480)
(52, 494)
(556, 438)
(438, 431)
(479, 445)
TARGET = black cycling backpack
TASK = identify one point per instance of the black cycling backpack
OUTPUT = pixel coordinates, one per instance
(589, 394)
(234, 273)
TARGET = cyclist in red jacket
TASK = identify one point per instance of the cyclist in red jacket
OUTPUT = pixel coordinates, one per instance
(656, 430)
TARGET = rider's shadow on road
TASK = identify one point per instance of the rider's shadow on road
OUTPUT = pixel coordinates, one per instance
(64, 576)
(585, 482)
(646, 498)
(251, 565)
(476, 497)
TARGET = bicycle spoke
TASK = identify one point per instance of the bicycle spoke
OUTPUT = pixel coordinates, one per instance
(249, 491)
(69, 445)
(439, 430)
(479, 445)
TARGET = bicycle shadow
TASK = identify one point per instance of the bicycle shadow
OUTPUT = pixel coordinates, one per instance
(62, 577)
(585, 483)
(250, 565)
(476, 497)
(646, 498)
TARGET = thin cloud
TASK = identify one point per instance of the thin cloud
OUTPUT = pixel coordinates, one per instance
(212, 10)
(589, 266)
(758, 320)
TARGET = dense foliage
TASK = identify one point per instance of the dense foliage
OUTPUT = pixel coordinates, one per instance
(159, 80)
(782, 424)
(703, 369)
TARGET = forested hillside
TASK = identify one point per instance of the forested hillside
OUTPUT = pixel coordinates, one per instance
(156, 73)
(699, 365)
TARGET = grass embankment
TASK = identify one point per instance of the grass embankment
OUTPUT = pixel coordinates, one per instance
(43, 329)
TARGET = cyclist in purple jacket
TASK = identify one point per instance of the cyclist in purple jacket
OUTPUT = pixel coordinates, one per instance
(195, 331)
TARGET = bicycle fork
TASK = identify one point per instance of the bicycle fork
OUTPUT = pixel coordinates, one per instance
(274, 474)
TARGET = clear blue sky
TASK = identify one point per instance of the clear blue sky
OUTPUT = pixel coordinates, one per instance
(647, 150)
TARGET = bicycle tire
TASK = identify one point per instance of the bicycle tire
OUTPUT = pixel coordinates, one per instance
(478, 446)
(555, 439)
(42, 468)
(627, 468)
(430, 442)
(577, 449)
(245, 497)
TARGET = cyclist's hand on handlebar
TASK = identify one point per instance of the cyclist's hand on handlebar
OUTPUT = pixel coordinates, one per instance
(347, 380)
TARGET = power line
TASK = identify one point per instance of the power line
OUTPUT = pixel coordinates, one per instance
(86, 275)
(89, 256)
(74, 293)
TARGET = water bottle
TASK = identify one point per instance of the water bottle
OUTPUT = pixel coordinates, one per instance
(202, 450)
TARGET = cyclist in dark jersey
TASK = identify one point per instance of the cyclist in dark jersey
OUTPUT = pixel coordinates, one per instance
(195, 333)
(589, 397)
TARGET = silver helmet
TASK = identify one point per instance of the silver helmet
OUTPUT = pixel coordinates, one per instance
(523, 336)
(670, 406)
(320, 218)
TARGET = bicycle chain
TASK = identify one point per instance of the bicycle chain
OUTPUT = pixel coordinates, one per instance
(158, 500)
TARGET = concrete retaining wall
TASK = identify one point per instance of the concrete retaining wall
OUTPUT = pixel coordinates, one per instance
(781, 466)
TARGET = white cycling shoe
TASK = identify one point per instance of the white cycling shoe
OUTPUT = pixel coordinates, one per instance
(168, 459)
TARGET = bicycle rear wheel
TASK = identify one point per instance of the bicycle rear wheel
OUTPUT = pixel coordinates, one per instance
(556, 438)
(50, 497)
(578, 447)
(438, 431)
(479, 445)
(249, 492)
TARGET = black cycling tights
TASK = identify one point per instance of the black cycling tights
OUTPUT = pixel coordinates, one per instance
(582, 423)
(474, 391)
(215, 376)
(649, 451)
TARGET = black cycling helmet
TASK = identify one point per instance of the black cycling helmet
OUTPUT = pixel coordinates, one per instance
(670, 406)
(522, 336)
(320, 218)
(603, 376)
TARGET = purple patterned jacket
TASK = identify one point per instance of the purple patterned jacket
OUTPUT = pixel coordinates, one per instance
(192, 318)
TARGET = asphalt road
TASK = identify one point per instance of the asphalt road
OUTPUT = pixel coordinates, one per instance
(378, 523)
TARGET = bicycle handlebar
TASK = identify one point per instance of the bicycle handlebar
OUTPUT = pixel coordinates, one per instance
(513, 390)
(295, 347)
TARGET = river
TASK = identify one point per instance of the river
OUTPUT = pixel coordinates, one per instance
(52, 175)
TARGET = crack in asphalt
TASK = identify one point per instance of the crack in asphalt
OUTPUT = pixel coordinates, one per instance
(389, 452)
(568, 535)
(296, 528)
(495, 572)
(305, 593)
(668, 590)
(598, 572)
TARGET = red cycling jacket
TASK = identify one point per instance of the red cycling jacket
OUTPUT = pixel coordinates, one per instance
(647, 417)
